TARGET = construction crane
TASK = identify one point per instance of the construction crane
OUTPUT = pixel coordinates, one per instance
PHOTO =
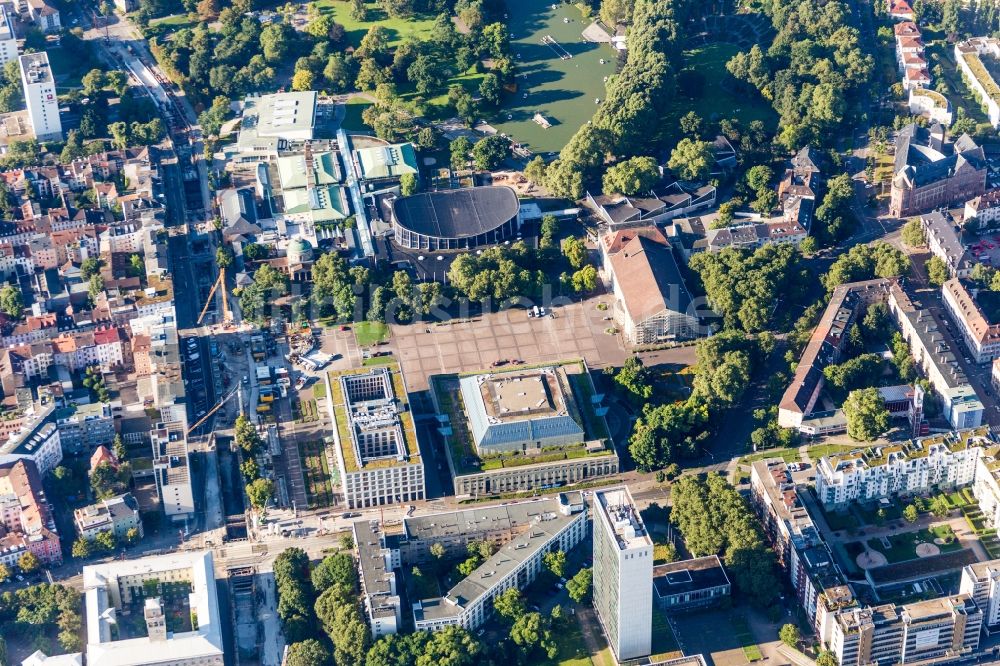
(226, 315)
(226, 399)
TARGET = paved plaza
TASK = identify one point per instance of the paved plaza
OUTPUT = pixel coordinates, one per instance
(576, 330)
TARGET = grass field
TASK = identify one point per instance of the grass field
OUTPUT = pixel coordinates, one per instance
(399, 28)
(788, 455)
(368, 333)
(572, 648)
(175, 21)
(719, 97)
(68, 68)
(562, 90)
(821, 450)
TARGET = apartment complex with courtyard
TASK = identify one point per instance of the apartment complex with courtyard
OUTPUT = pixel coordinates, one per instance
(154, 610)
(908, 468)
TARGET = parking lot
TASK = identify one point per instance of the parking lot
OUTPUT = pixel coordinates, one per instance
(576, 330)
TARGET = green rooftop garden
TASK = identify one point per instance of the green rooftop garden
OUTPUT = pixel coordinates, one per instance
(940, 101)
(982, 75)
(343, 433)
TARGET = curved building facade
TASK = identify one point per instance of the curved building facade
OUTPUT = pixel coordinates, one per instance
(456, 219)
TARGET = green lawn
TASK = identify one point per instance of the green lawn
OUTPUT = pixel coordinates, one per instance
(840, 520)
(719, 95)
(822, 450)
(664, 641)
(569, 638)
(399, 28)
(175, 21)
(561, 90)
(368, 333)
(903, 546)
(742, 633)
(379, 360)
(788, 455)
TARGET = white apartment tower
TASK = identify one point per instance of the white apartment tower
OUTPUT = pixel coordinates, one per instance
(623, 574)
(981, 581)
(39, 89)
(8, 40)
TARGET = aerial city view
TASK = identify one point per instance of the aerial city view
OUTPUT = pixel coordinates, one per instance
(499, 333)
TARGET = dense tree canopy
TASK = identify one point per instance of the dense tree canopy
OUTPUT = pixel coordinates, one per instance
(865, 262)
(715, 519)
(295, 595)
(867, 416)
(743, 286)
(813, 68)
(637, 175)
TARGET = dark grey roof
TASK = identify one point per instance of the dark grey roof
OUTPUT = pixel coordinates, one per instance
(456, 213)
(924, 164)
(238, 205)
(805, 160)
(688, 576)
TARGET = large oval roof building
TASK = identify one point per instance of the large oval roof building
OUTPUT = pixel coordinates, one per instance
(455, 219)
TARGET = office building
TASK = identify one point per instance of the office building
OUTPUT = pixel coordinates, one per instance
(515, 564)
(623, 574)
(8, 38)
(378, 580)
(39, 88)
(981, 581)
(694, 583)
(117, 515)
(925, 632)
(176, 633)
(909, 468)
(455, 530)
(376, 440)
(172, 469)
